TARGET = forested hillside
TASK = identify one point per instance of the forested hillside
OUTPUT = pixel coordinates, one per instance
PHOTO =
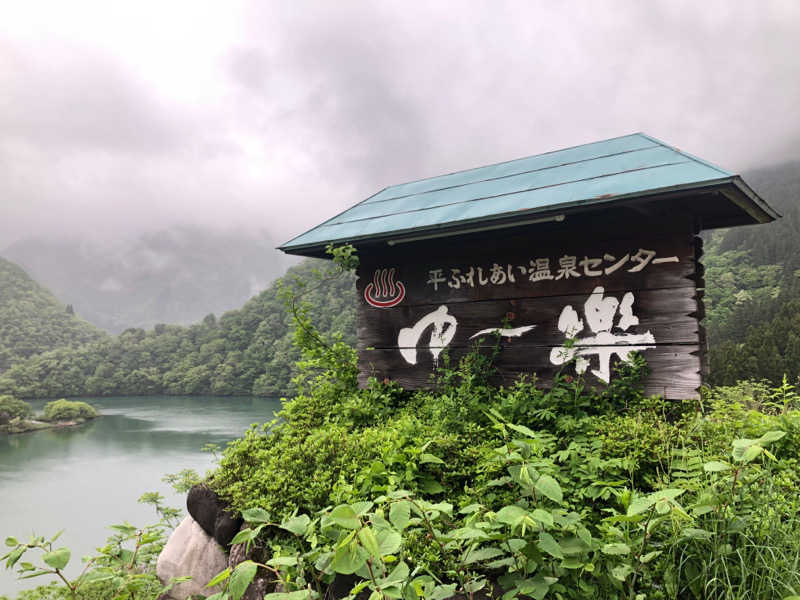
(32, 321)
(753, 287)
(245, 351)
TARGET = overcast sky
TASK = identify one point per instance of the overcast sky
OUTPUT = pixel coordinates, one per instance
(123, 117)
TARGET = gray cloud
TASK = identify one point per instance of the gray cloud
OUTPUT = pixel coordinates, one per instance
(278, 115)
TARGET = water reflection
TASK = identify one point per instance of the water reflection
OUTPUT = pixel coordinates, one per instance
(86, 478)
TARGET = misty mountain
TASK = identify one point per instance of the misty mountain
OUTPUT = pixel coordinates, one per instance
(32, 321)
(173, 276)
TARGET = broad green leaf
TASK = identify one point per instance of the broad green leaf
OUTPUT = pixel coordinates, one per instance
(511, 515)
(426, 458)
(344, 516)
(716, 466)
(441, 592)
(771, 436)
(219, 577)
(400, 514)
(467, 510)
(245, 535)
(544, 517)
(389, 541)
(13, 556)
(481, 554)
(241, 578)
(751, 453)
(57, 559)
(468, 533)
(662, 507)
(549, 487)
(98, 575)
(547, 543)
(696, 534)
(620, 572)
(398, 574)
(11, 542)
(618, 549)
(348, 559)
(509, 561)
(431, 486)
(361, 508)
(367, 538)
(256, 515)
(297, 525)
(304, 594)
(282, 561)
(649, 556)
(523, 430)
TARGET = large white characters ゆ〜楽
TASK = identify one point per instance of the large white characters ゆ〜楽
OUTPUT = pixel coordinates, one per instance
(600, 312)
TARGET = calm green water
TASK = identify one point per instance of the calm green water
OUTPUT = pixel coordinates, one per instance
(85, 478)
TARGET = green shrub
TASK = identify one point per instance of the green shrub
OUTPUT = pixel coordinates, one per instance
(68, 410)
(14, 408)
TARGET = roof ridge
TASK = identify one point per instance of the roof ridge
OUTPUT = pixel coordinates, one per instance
(511, 160)
(457, 185)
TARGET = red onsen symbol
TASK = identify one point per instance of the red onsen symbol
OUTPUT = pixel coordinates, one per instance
(384, 291)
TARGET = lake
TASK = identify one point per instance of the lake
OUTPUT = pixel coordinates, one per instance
(83, 479)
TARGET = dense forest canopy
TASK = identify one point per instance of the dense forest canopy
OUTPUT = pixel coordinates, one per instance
(753, 287)
(752, 304)
(245, 351)
(32, 321)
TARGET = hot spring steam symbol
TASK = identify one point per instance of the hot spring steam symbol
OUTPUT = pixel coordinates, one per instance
(384, 291)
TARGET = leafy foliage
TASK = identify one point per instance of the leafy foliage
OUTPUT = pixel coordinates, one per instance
(13, 408)
(563, 493)
(123, 569)
(68, 410)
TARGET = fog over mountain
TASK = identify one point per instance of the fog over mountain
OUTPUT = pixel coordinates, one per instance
(122, 121)
(176, 275)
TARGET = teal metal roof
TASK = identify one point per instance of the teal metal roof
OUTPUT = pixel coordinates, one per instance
(578, 178)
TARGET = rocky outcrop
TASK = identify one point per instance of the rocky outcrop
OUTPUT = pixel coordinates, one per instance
(190, 551)
(210, 513)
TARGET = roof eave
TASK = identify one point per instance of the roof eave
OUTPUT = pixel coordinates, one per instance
(733, 187)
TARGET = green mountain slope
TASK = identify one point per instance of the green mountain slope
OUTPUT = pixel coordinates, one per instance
(32, 321)
(246, 351)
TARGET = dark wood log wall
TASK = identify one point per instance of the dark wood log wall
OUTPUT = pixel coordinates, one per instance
(462, 289)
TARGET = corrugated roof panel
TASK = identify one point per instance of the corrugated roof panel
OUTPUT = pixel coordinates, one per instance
(594, 174)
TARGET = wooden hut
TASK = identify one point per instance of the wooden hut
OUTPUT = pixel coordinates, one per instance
(577, 258)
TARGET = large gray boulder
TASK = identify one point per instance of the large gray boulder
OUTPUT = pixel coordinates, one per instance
(190, 551)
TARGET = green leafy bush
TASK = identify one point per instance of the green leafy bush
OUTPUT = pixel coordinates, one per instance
(68, 410)
(565, 492)
(14, 408)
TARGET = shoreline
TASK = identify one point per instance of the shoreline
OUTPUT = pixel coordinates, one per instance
(31, 425)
